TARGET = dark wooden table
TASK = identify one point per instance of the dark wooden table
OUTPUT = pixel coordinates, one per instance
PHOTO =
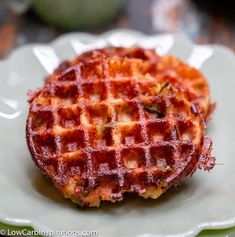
(202, 23)
(148, 16)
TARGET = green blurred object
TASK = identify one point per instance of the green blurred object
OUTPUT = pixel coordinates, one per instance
(78, 14)
(6, 230)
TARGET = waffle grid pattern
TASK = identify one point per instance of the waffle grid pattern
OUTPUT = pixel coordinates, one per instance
(128, 111)
(103, 124)
(164, 68)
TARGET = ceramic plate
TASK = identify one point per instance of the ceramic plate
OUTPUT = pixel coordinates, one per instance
(27, 198)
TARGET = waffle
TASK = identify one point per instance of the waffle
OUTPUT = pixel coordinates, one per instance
(165, 68)
(100, 128)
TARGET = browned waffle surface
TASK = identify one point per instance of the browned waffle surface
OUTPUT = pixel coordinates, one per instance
(100, 127)
(164, 68)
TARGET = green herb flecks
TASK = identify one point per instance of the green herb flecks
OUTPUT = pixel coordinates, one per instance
(106, 126)
(155, 109)
(166, 85)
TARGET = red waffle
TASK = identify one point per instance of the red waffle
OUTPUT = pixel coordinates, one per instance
(165, 68)
(100, 128)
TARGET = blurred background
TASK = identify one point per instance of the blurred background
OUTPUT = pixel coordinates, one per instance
(29, 21)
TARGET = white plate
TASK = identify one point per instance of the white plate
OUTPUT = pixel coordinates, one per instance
(27, 198)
